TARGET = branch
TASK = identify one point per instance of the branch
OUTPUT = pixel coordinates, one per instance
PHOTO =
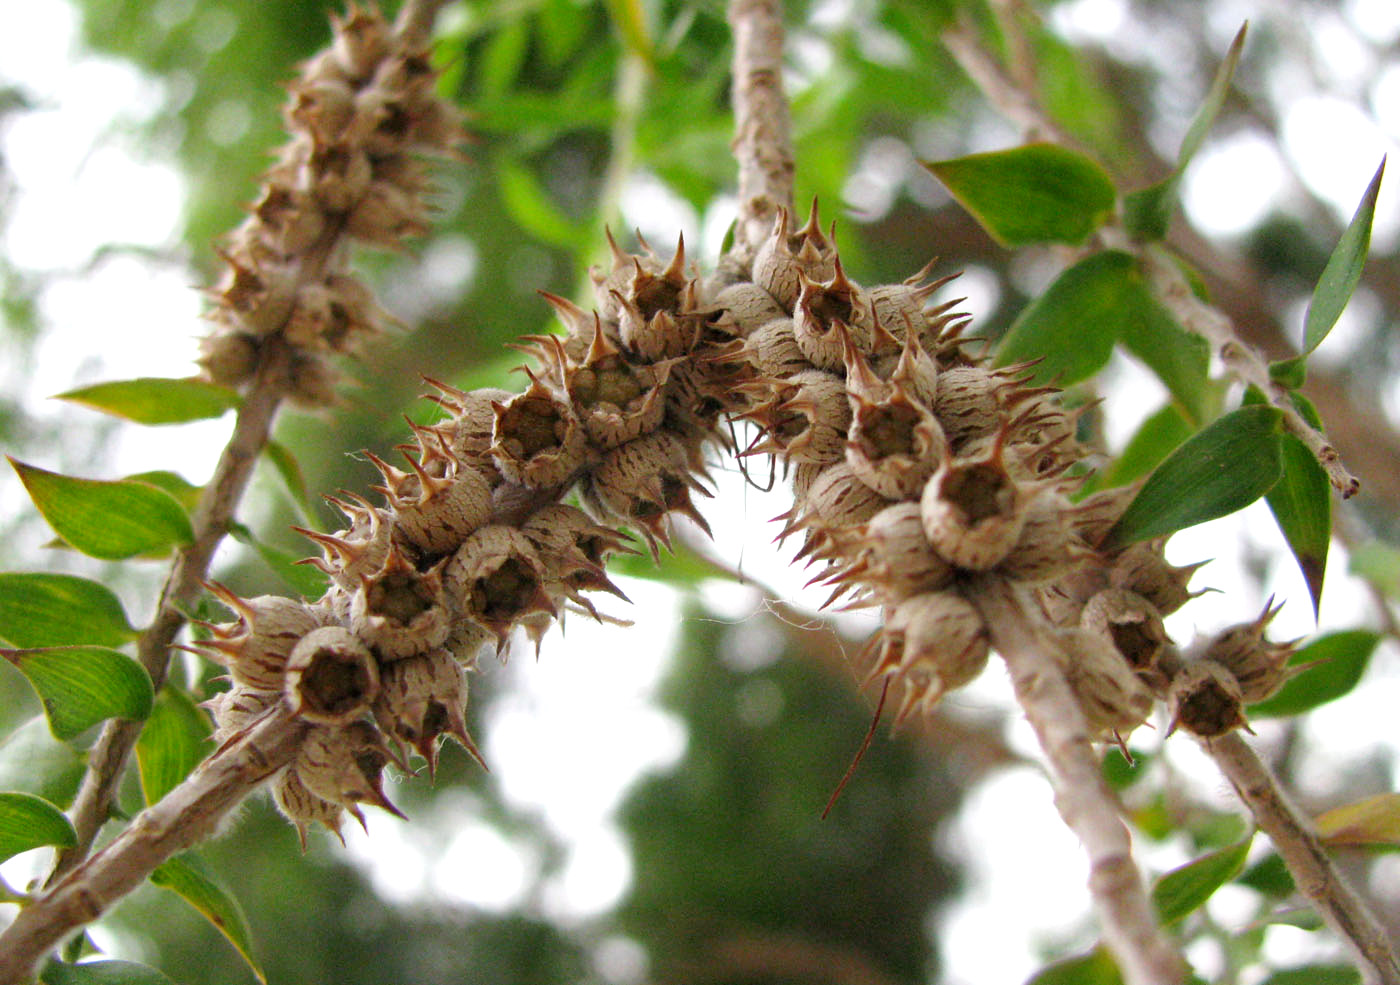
(1088, 807)
(762, 125)
(187, 815)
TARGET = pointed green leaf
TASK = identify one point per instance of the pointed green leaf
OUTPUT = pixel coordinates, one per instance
(1301, 502)
(292, 476)
(1215, 99)
(188, 876)
(1180, 359)
(1095, 968)
(1185, 889)
(1340, 658)
(1224, 468)
(1316, 974)
(1379, 564)
(41, 609)
(174, 741)
(82, 685)
(1269, 876)
(1290, 373)
(304, 579)
(181, 490)
(107, 520)
(1158, 436)
(1147, 212)
(1037, 193)
(33, 761)
(29, 822)
(1372, 821)
(102, 973)
(530, 205)
(1343, 271)
(155, 400)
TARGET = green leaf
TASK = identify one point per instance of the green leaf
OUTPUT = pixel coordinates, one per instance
(1094, 968)
(187, 876)
(107, 520)
(102, 973)
(1379, 564)
(1224, 468)
(530, 205)
(29, 822)
(82, 685)
(1373, 821)
(1301, 502)
(1147, 212)
(1215, 99)
(304, 579)
(1316, 974)
(1340, 658)
(155, 400)
(182, 490)
(1155, 439)
(1187, 888)
(1289, 373)
(1269, 876)
(41, 609)
(1343, 271)
(503, 56)
(292, 476)
(174, 741)
(33, 761)
(1181, 359)
(1038, 193)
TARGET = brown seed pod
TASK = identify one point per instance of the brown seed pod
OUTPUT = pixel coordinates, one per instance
(898, 304)
(785, 256)
(837, 499)
(464, 641)
(343, 764)
(303, 808)
(806, 420)
(237, 708)
(442, 510)
(401, 611)
(537, 440)
(573, 550)
(1205, 700)
(358, 550)
(1095, 515)
(935, 642)
(611, 286)
(255, 647)
(230, 357)
(1142, 568)
(422, 699)
(891, 556)
(495, 578)
(773, 351)
(824, 309)
(1260, 667)
(974, 510)
(893, 443)
(749, 307)
(1112, 698)
(1048, 547)
(974, 402)
(890, 363)
(660, 314)
(1134, 627)
(331, 676)
(615, 399)
(639, 483)
(473, 419)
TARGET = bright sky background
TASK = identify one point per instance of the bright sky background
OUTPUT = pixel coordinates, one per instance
(579, 726)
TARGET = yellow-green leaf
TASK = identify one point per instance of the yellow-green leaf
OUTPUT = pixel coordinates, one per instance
(1185, 889)
(1037, 193)
(42, 609)
(156, 400)
(29, 822)
(1343, 271)
(1095, 968)
(1338, 659)
(1373, 821)
(33, 761)
(107, 520)
(174, 741)
(80, 686)
(102, 973)
(188, 877)
(1301, 502)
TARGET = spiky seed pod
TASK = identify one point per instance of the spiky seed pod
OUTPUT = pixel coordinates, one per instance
(362, 39)
(806, 420)
(890, 363)
(749, 307)
(893, 443)
(474, 419)
(313, 381)
(903, 303)
(974, 510)
(836, 499)
(615, 399)
(1112, 698)
(464, 641)
(892, 556)
(331, 676)
(230, 358)
(401, 611)
(340, 173)
(289, 219)
(303, 808)
(1206, 700)
(422, 699)
(639, 483)
(611, 286)
(581, 327)
(1134, 627)
(967, 403)
(495, 578)
(1095, 515)
(773, 351)
(386, 214)
(437, 515)
(537, 440)
(343, 764)
(255, 647)
(237, 708)
(573, 550)
(1048, 547)
(935, 642)
(358, 550)
(785, 256)
(1259, 666)
(822, 306)
(803, 475)
(660, 314)
(335, 315)
(1142, 568)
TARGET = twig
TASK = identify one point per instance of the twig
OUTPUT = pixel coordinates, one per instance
(1144, 954)
(188, 814)
(762, 126)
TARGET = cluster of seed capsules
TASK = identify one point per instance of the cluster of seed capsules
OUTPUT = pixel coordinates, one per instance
(361, 116)
(918, 470)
